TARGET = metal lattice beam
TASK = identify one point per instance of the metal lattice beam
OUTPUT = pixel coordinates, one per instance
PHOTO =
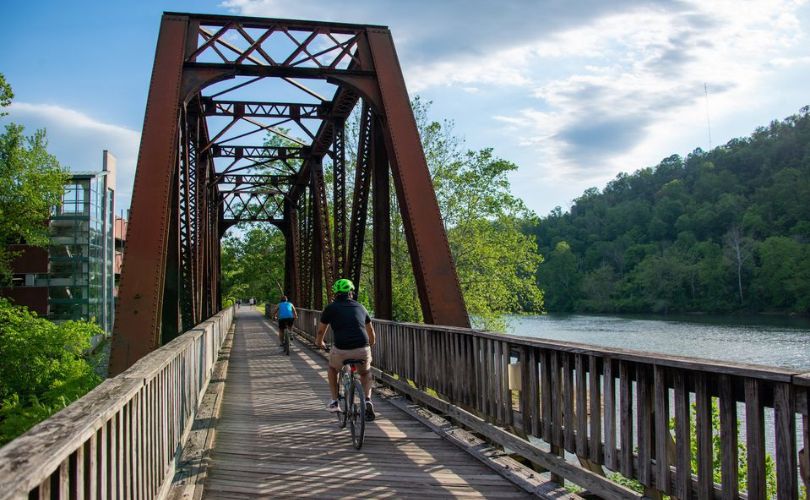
(207, 162)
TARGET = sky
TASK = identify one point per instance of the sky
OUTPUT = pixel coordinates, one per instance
(573, 92)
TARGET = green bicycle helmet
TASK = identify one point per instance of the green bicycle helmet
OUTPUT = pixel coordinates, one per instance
(343, 285)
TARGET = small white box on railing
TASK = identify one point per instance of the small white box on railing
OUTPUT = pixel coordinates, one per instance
(515, 382)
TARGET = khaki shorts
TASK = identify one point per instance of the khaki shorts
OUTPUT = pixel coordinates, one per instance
(337, 356)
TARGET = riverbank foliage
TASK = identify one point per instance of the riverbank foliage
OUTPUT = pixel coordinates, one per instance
(45, 367)
(720, 231)
(494, 259)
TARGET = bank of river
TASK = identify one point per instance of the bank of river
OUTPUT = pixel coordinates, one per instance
(774, 341)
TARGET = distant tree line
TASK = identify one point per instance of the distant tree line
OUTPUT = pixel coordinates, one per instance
(720, 231)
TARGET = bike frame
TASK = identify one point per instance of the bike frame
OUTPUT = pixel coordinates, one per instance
(349, 411)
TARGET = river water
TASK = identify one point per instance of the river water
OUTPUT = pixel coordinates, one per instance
(763, 340)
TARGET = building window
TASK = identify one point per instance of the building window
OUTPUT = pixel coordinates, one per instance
(75, 199)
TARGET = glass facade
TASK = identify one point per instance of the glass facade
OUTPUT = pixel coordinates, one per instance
(81, 279)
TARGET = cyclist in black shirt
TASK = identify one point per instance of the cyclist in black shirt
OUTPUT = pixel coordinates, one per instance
(353, 336)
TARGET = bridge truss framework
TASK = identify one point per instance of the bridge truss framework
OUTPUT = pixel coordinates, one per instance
(206, 164)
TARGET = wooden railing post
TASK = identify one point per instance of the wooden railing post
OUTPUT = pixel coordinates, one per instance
(610, 407)
(121, 440)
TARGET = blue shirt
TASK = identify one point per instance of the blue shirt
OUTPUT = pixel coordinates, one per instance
(285, 310)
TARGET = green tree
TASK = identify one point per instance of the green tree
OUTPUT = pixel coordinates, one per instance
(598, 289)
(693, 234)
(31, 183)
(495, 261)
(253, 264)
(45, 367)
(559, 276)
(783, 275)
(6, 95)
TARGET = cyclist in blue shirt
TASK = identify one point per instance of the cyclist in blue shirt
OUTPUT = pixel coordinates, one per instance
(285, 314)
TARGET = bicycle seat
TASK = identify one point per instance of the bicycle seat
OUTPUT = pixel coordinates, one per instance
(353, 361)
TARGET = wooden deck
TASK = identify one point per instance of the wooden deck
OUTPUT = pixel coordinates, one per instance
(275, 438)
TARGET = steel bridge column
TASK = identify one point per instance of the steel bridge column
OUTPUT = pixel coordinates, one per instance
(305, 234)
(315, 265)
(291, 278)
(382, 227)
(339, 199)
(362, 184)
(324, 261)
(138, 326)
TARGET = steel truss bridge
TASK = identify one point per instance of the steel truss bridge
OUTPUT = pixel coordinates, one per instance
(244, 117)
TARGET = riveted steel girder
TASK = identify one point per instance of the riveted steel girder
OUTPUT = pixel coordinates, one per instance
(213, 155)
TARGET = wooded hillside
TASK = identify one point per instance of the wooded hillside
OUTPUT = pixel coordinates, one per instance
(717, 231)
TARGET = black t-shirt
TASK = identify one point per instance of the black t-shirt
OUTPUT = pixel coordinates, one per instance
(348, 320)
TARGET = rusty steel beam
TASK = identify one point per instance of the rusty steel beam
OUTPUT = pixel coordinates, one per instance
(383, 299)
(322, 235)
(184, 200)
(260, 152)
(291, 256)
(339, 199)
(436, 278)
(362, 185)
(139, 316)
(260, 109)
(255, 179)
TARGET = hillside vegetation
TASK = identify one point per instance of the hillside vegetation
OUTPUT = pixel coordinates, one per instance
(719, 231)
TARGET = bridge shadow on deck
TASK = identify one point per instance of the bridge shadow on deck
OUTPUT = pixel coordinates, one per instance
(275, 439)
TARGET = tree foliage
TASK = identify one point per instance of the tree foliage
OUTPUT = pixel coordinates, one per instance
(31, 183)
(495, 260)
(45, 367)
(6, 95)
(253, 264)
(717, 231)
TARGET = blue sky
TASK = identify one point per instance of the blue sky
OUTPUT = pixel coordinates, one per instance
(573, 92)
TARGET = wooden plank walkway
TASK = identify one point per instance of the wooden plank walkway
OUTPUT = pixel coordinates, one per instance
(275, 438)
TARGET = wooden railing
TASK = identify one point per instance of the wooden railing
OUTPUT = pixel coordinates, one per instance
(612, 410)
(123, 438)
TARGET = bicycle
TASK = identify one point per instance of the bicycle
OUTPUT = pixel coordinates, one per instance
(352, 402)
(289, 336)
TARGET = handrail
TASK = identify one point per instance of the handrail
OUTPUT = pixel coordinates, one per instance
(123, 438)
(614, 409)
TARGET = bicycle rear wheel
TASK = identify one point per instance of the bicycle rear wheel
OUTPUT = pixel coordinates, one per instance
(357, 413)
(287, 341)
(342, 400)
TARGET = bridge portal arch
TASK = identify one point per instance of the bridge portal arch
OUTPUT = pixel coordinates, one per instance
(220, 85)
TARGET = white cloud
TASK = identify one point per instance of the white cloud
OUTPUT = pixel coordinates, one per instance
(77, 140)
(581, 90)
(643, 82)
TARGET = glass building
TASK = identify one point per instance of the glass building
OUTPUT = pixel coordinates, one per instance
(81, 280)
(76, 277)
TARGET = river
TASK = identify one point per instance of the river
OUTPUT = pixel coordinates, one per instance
(763, 340)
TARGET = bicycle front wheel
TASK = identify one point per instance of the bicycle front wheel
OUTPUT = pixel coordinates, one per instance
(357, 414)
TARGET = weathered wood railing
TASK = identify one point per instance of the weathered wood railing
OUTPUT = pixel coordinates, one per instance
(122, 439)
(626, 411)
